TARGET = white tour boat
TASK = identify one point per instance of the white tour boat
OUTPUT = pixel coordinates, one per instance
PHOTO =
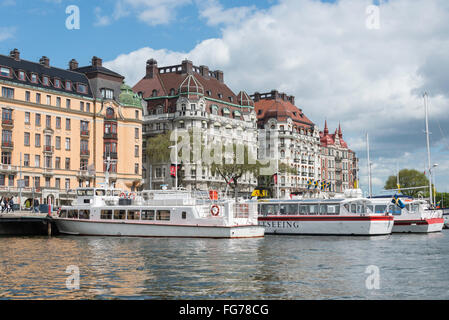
(161, 213)
(323, 217)
(415, 217)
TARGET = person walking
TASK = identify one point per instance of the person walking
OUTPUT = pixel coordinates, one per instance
(2, 203)
(11, 204)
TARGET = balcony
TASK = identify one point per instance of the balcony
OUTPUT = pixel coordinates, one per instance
(84, 153)
(8, 122)
(8, 145)
(110, 136)
(86, 174)
(48, 172)
(49, 149)
(297, 160)
(84, 133)
(7, 168)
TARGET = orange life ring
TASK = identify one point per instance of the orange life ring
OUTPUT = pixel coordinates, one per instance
(215, 210)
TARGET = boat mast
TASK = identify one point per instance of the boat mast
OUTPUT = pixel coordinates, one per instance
(428, 148)
(369, 166)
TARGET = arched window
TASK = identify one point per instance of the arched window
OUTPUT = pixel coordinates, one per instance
(154, 93)
(172, 92)
(110, 113)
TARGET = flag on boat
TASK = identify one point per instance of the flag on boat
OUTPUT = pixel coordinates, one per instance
(323, 185)
(328, 186)
(316, 184)
(398, 201)
(309, 183)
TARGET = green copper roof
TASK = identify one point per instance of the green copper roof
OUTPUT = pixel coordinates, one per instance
(128, 97)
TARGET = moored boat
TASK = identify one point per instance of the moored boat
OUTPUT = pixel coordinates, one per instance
(158, 213)
(323, 217)
(415, 217)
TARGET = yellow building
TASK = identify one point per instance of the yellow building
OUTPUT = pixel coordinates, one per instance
(59, 127)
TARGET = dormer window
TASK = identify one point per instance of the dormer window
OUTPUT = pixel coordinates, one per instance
(107, 94)
(34, 78)
(22, 75)
(172, 92)
(220, 95)
(57, 83)
(5, 72)
(154, 93)
(45, 81)
(231, 99)
(82, 88)
(209, 93)
(68, 85)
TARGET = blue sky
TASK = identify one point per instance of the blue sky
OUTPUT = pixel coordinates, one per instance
(322, 52)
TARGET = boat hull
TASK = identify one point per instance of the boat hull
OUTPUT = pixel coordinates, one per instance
(98, 228)
(418, 225)
(327, 225)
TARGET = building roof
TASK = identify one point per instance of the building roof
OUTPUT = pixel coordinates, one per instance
(327, 139)
(43, 68)
(281, 107)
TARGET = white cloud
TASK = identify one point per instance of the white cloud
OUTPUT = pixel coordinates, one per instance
(7, 33)
(215, 14)
(151, 12)
(370, 80)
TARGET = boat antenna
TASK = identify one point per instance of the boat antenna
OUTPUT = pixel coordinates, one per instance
(369, 167)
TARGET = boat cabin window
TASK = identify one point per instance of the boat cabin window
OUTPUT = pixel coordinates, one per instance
(303, 210)
(116, 193)
(72, 214)
(163, 215)
(329, 209)
(100, 192)
(85, 192)
(380, 208)
(369, 208)
(84, 214)
(133, 215)
(63, 214)
(119, 214)
(395, 210)
(184, 215)
(106, 214)
(147, 214)
(270, 209)
(313, 209)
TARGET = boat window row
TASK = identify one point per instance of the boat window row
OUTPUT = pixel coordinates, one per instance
(147, 215)
(98, 192)
(299, 209)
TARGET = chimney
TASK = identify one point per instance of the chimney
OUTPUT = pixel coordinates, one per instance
(187, 66)
(274, 94)
(283, 96)
(151, 68)
(292, 100)
(73, 64)
(44, 61)
(15, 54)
(219, 75)
(204, 70)
(97, 62)
(256, 96)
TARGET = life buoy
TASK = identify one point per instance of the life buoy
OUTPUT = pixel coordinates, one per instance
(122, 195)
(215, 210)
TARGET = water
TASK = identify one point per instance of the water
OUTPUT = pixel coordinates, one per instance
(410, 266)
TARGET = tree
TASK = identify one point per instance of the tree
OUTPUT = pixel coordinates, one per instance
(267, 182)
(409, 178)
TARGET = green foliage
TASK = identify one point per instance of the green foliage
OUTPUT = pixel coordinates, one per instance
(158, 148)
(409, 178)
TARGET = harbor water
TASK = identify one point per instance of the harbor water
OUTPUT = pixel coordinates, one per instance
(398, 266)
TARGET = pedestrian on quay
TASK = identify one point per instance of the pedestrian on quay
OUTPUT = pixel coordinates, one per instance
(11, 204)
(36, 205)
(2, 203)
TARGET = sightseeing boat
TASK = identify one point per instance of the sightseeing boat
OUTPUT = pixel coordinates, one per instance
(159, 213)
(323, 217)
(415, 217)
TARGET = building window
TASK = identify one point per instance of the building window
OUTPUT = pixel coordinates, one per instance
(57, 83)
(6, 157)
(48, 121)
(68, 85)
(137, 114)
(5, 72)
(58, 143)
(67, 144)
(27, 138)
(67, 103)
(109, 113)
(58, 163)
(38, 98)
(58, 102)
(82, 88)
(26, 160)
(136, 168)
(49, 100)
(34, 78)
(67, 184)
(82, 106)
(21, 76)
(67, 124)
(48, 162)
(67, 163)
(136, 151)
(58, 122)
(37, 161)
(107, 94)
(58, 183)
(83, 164)
(27, 96)
(47, 182)
(2, 179)
(45, 81)
(11, 180)
(27, 118)
(38, 120)
(87, 107)
(136, 133)
(7, 93)
(37, 140)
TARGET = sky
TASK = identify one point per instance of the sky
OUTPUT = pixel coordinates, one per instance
(362, 63)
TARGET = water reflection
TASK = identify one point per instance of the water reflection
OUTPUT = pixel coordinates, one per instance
(275, 267)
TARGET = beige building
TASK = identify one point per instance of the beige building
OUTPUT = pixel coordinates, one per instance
(59, 127)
